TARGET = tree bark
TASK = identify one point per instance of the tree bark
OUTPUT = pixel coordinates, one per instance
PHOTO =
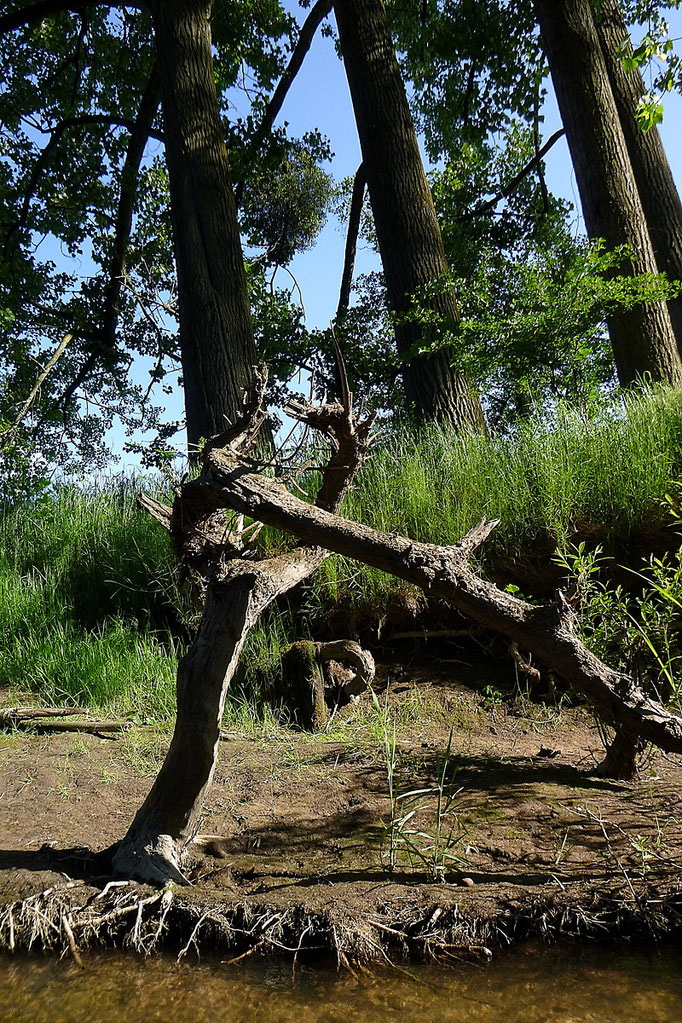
(216, 336)
(154, 847)
(655, 183)
(408, 233)
(642, 337)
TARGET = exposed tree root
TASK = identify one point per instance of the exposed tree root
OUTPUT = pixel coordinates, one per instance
(129, 916)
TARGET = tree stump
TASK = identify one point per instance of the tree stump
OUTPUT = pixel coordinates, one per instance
(319, 676)
(302, 690)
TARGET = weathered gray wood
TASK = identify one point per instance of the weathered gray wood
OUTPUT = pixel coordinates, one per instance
(544, 631)
(238, 589)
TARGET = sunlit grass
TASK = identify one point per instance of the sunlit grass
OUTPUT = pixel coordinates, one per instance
(90, 612)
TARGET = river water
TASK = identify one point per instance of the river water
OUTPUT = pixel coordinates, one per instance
(561, 985)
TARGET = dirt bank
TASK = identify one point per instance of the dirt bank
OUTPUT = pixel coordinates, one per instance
(529, 842)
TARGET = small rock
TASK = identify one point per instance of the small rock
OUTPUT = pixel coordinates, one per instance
(468, 882)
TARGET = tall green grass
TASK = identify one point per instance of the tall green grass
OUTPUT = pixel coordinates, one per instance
(87, 600)
(606, 472)
(89, 608)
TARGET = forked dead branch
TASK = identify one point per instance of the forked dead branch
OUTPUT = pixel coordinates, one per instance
(238, 587)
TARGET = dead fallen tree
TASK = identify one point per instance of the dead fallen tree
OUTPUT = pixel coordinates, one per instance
(547, 631)
(212, 549)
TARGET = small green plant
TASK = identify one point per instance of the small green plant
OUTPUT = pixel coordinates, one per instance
(446, 842)
(636, 631)
(424, 826)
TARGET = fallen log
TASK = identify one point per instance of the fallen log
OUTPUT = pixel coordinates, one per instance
(43, 718)
(15, 715)
(546, 631)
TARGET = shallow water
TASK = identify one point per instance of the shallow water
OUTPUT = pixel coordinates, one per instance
(532, 986)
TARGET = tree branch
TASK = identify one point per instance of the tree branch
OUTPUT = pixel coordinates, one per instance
(6, 438)
(141, 131)
(489, 205)
(57, 132)
(357, 199)
(139, 136)
(538, 149)
(316, 16)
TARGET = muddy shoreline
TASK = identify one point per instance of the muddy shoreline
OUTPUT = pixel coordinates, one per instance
(301, 857)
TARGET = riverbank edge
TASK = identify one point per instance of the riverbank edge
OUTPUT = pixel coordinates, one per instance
(73, 918)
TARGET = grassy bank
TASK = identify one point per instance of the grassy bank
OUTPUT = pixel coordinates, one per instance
(86, 601)
(89, 610)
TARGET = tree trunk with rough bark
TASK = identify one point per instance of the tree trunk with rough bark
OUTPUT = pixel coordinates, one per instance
(656, 185)
(408, 232)
(216, 336)
(642, 337)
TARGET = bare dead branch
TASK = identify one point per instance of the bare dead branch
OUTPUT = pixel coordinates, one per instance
(476, 536)
(10, 433)
(489, 205)
(237, 590)
(161, 512)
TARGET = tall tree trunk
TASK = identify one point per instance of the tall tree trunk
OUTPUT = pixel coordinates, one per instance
(407, 228)
(216, 336)
(655, 183)
(642, 337)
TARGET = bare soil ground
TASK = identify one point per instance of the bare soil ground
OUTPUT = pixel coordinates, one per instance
(539, 844)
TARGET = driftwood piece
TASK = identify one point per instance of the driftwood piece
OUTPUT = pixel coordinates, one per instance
(43, 718)
(92, 727)
(14, 715)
